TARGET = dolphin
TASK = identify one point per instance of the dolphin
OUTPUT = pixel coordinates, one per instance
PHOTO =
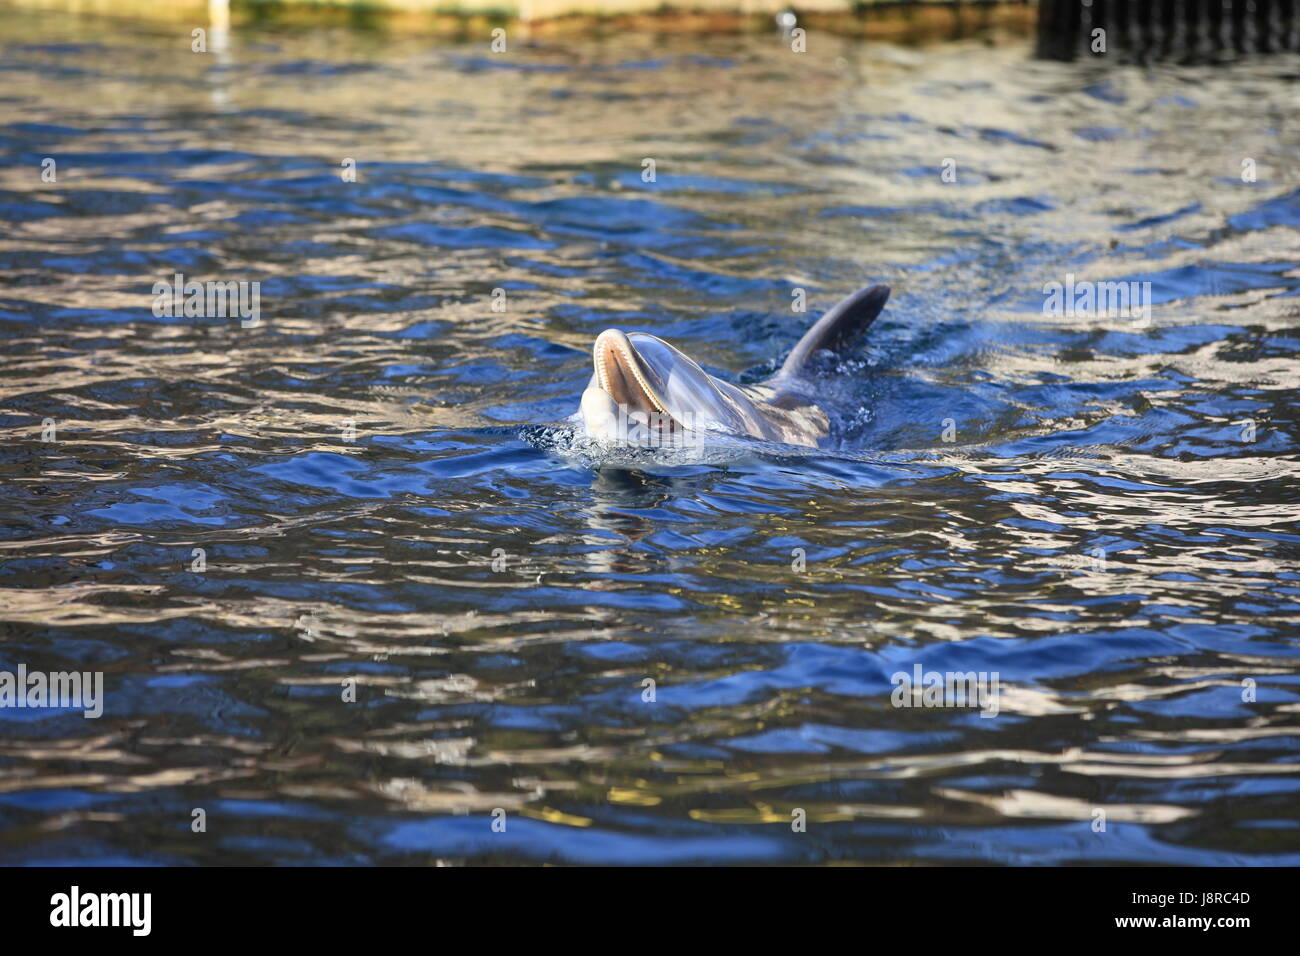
(646, 392)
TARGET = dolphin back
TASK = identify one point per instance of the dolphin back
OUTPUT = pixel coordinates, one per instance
(839, 329)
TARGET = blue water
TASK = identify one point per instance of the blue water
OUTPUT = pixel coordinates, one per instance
(1099, 510)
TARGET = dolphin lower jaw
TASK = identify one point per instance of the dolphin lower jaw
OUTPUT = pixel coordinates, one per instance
(600, 416)
(607, 421)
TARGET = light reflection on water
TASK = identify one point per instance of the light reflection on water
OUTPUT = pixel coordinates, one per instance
(1098, 532)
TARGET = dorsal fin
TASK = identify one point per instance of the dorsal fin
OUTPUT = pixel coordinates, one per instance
(839, 328)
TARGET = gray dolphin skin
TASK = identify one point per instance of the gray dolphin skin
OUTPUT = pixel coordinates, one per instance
(644, 391)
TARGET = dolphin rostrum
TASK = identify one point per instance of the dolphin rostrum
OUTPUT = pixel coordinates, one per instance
(646, 392)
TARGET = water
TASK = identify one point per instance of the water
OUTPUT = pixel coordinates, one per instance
(1072, 503)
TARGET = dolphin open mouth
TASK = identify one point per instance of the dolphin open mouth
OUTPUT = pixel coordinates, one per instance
(624, 376)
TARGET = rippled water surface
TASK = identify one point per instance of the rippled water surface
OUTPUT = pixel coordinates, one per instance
(1100, 511)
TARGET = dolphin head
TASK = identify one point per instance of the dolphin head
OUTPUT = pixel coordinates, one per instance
(644, 391)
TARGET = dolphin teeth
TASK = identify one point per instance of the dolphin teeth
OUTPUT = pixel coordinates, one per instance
(627, 361)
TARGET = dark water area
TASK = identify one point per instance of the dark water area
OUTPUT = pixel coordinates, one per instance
(378, 482)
